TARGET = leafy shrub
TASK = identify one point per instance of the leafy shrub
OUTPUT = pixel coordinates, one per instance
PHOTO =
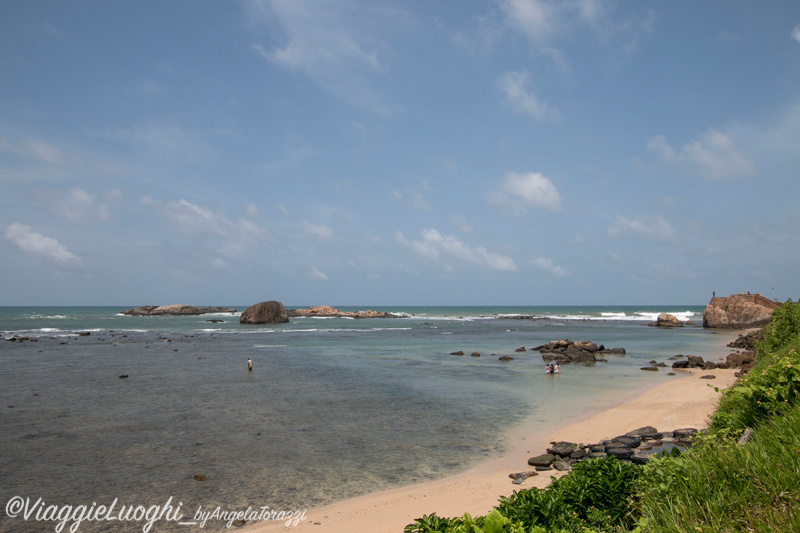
(783, 328)
(597, 494)
(774, 381)
(494, 522)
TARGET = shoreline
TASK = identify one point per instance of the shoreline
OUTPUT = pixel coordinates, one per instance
(684, 402)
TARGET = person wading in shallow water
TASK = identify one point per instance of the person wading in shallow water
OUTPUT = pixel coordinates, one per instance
(249, 365)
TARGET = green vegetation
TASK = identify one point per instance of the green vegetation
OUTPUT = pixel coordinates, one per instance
(717, 485)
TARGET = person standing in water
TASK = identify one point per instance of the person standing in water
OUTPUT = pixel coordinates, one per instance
(249, 365)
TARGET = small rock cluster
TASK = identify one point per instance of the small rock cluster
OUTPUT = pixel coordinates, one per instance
(567, 351)
(629, 447)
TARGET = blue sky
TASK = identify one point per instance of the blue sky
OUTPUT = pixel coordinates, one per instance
(505, 152)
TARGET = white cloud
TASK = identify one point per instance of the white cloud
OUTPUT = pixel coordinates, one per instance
(546, 264)
(713, 155)
(514, 86)
(318, 275)
(648, 226)
(520, 190)
(36, 244)
(434, 246)
(323, 232)
(796, 33)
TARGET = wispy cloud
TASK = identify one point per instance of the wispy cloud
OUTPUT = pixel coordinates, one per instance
(78, 206)
(515, 88)
(796, 33)
(33, 149)
(435, 246)
(165, 138)
(323, 232)
(37, 244)
(545, 22)
(318, 275)
(647, 226)
(713, 155)
(546, 264)
(323, 42)
(414, 198)
(204, 225)
(519, 191)
(461, 222)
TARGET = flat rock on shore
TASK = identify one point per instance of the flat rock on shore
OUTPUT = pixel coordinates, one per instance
(327, 311)
(175, 309)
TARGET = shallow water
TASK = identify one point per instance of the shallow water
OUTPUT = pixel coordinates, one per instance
(334, 408)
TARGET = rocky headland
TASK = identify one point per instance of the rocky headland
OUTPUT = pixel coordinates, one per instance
(175, 309)
(739, 311)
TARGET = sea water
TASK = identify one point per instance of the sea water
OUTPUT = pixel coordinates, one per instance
(334, 407)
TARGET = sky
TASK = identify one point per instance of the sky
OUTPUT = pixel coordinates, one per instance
(362, 153)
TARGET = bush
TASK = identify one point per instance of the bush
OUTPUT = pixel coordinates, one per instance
(774, 381)
(783, 328)
(597, 494)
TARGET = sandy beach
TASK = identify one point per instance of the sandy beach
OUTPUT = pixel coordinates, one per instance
(681, 402)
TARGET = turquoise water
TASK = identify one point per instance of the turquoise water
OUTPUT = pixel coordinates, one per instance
(334, 408)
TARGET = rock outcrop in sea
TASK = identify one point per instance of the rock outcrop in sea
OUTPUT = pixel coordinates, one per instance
(739, 311)
(567, 351)
(271, 312)
(328, 311)
(666, 320)
(175, 309)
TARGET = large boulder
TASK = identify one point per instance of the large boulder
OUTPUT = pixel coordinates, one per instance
(739, 311)
(666, 320)
(271, 312)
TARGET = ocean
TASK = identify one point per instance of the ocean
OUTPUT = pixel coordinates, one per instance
(334, 408)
